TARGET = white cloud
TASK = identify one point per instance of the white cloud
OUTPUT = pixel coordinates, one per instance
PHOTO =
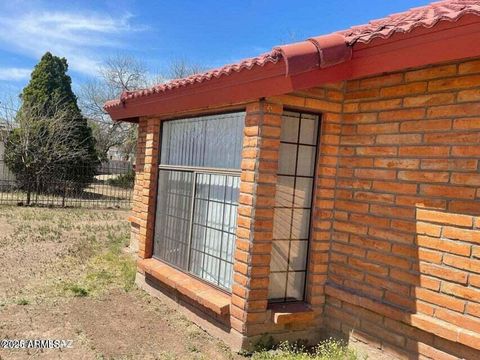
(14, 73)
(80, 37)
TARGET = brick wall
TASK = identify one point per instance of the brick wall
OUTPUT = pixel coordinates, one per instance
(144, 191)
(250, 314)
(405, 234)
(255, 217)
(394, 259)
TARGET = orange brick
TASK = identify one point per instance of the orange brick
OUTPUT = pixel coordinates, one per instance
(358, 140)
(389, 260)
(452, 137)
(358, 118)
(368, 266)
(362, 94)
(429, 256)
(431, 73)
(370, 220)
(440, 299)
(464, 206)
(462, 263)
(429, 100)
(401, 90)
(397, 163)
(404, 114)
(419, 201)
(454, 83)
(382, 105)
(377, 150)
(462, 234)
(351, 206)
(449, 164)
(355, 162)
(465, 322)
(385, 128)
(473, 309)
(392, 211)
(394, 187)
(370, 243)
(375, 197)
(391, 235)
(453, 247)
(465, 179)
(404, 225)
(467, 123)
(428, 229)
(424, 176)
(375, 174)
(456, 192)
(444, 217)
(349, 227)
(426, 125)
(443, 272)
(468, 95)
(468, 109)
(378, 81)
(469, 67)
(461, 291)
(467, 151)
(424, 151)
(399, 139)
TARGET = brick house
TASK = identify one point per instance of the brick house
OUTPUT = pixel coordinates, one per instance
(330, 186)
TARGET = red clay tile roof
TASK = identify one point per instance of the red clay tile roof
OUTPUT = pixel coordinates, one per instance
(271, 57)
(425, 16)
(404, 22)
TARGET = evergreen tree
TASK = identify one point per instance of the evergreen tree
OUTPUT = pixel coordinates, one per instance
(63, 148)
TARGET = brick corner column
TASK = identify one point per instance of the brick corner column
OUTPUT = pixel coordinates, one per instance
(323, 210)
(261, 144)
(145, 188)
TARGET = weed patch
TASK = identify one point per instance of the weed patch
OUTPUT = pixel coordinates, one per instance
(327, 350)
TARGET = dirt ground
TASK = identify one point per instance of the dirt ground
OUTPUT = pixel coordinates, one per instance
(64, 275)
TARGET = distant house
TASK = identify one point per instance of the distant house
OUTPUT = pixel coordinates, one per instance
(116, 153)
(327, 187)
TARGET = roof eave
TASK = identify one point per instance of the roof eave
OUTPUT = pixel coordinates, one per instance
(325, 59)
(235, 88)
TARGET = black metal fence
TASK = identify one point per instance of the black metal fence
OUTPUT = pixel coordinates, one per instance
(110, 187)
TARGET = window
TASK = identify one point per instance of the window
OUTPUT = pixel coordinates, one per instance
(197, 199)
(293, 203)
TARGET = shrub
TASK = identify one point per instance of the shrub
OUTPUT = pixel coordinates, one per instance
(123, 180)
(327, 350)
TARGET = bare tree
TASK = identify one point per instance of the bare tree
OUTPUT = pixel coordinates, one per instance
(119, 73)
(180, 68)
(122, 73)
(38, 145)
(9, 107)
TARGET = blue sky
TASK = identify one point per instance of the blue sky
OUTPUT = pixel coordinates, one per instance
(210, 33)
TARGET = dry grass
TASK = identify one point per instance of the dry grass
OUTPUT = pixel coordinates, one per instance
(65, 276)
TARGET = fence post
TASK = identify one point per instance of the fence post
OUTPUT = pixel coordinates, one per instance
(64, 187)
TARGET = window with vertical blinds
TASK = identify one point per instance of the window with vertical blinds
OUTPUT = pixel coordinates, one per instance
(197, 198)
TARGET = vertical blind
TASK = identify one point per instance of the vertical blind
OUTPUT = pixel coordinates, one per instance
(197, 199)
(208, 141)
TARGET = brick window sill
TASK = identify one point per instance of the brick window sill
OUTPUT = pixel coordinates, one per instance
(283, 314)
(194, 289)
